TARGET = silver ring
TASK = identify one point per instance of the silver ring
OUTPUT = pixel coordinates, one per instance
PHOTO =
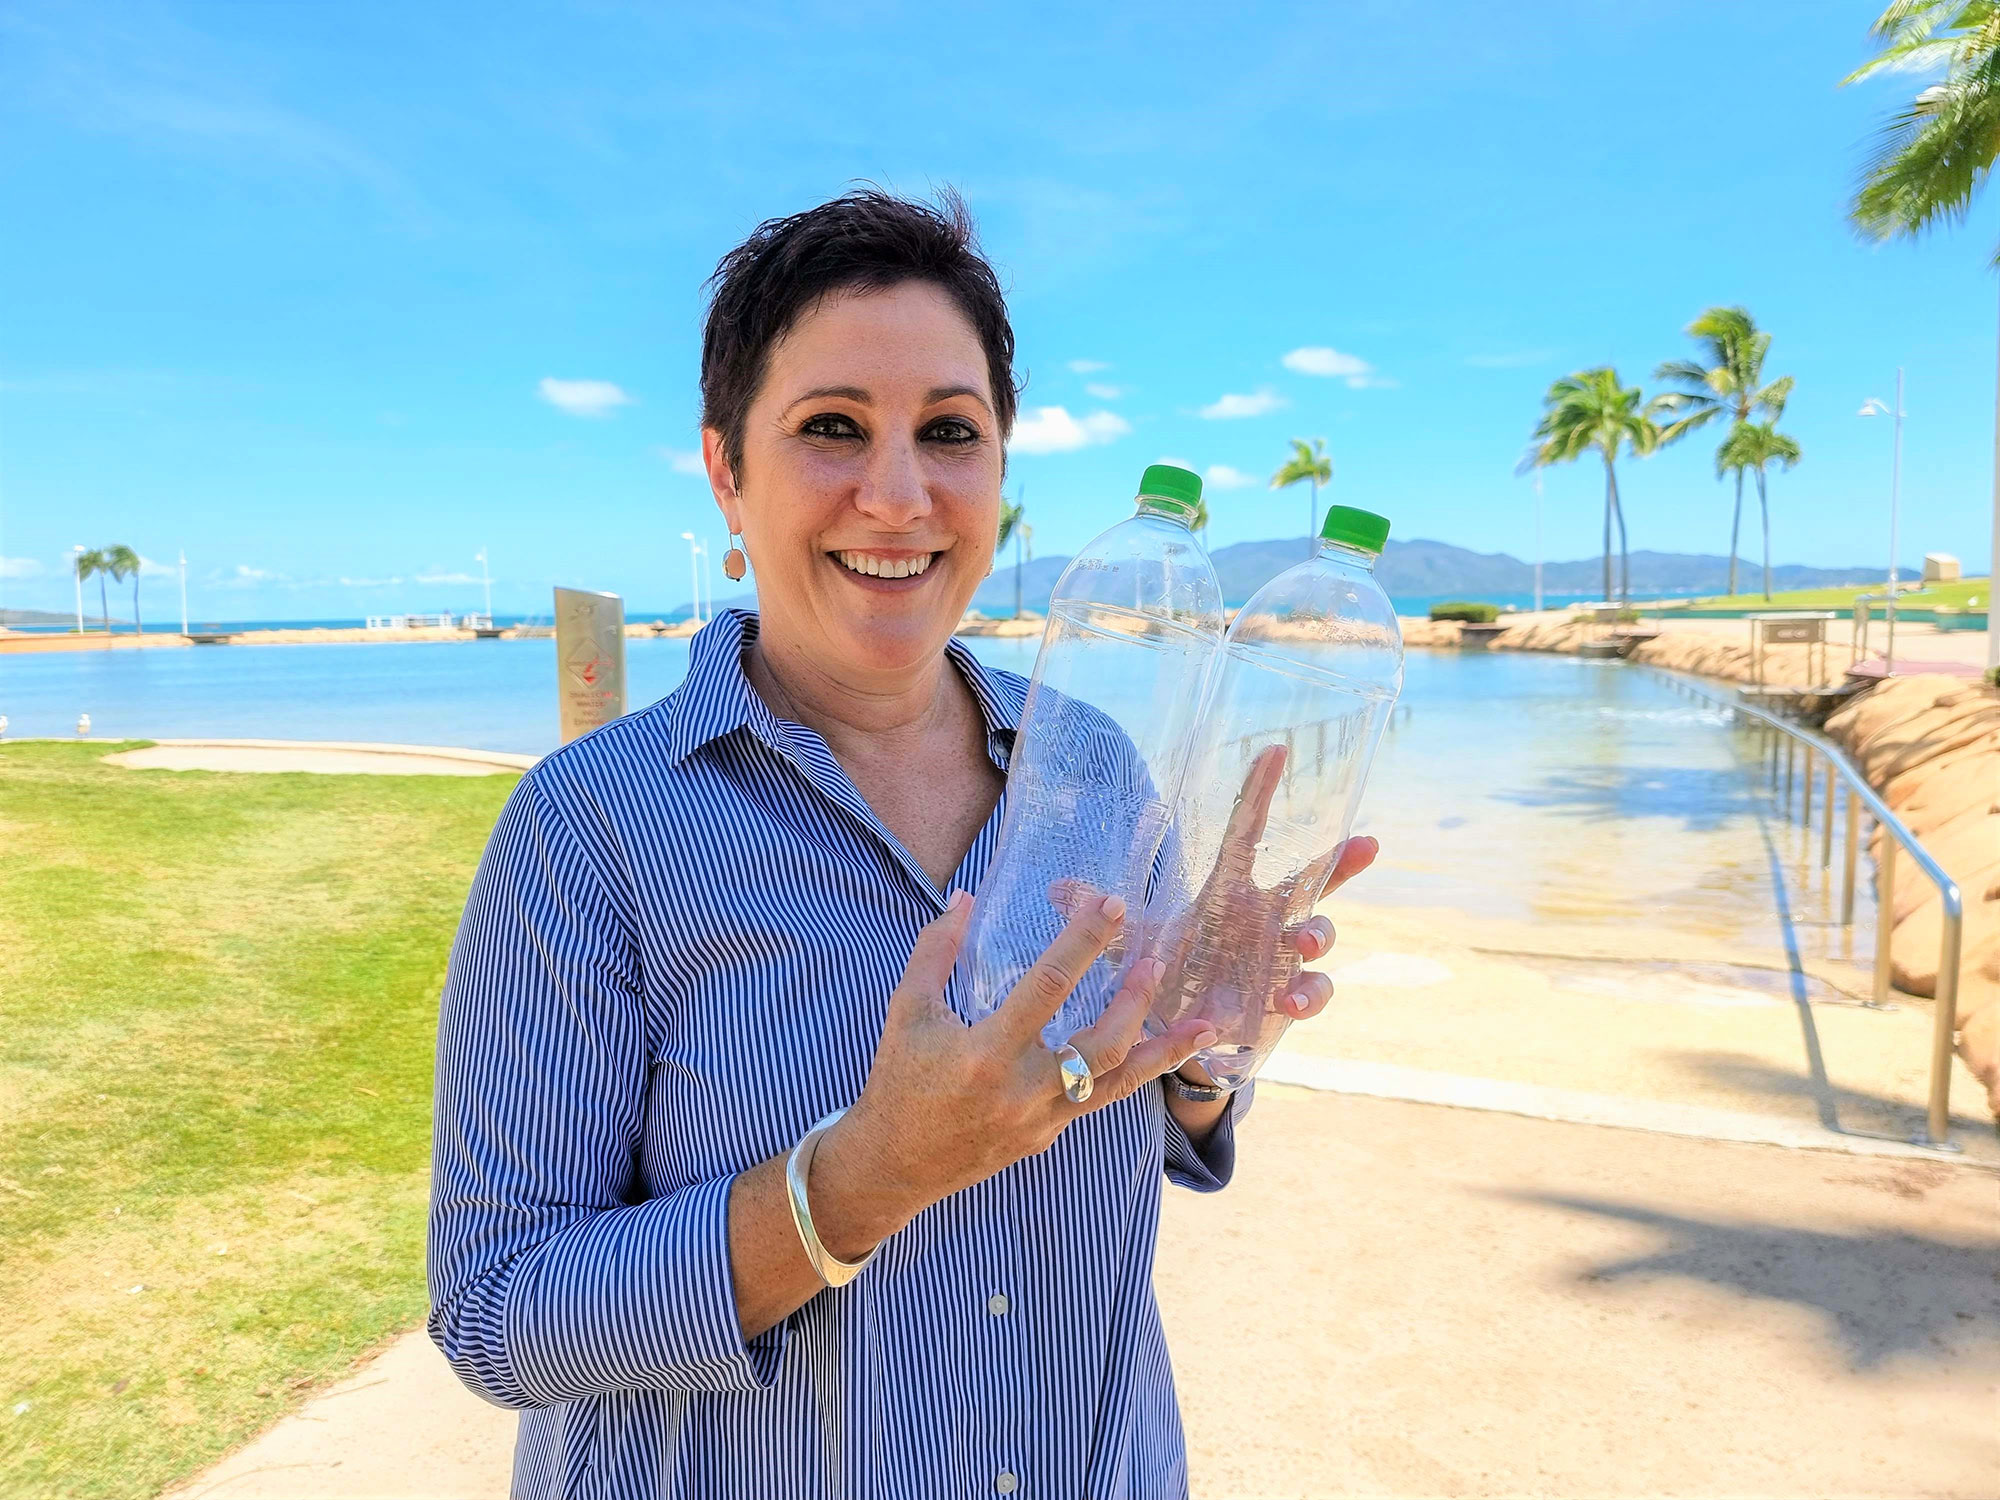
(1077, 1082)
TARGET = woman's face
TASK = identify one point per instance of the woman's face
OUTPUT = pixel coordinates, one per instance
(869, 495)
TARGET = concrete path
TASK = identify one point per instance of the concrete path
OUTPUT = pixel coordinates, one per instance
(1402, 1299)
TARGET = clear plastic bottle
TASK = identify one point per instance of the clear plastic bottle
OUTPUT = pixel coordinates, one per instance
(1309, 672)
(1135, 627)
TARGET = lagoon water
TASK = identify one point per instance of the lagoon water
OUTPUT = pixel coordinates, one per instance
(1528, 788)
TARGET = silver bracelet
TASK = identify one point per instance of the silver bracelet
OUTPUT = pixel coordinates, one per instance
(798, 1171)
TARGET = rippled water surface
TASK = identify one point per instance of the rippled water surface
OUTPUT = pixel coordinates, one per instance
(1513, 786)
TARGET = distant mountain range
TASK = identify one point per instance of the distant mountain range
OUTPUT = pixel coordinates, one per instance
(1417, 569)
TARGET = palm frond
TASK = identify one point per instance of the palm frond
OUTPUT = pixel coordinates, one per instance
(1931, 157)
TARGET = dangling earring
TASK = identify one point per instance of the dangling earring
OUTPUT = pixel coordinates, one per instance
(734, 563)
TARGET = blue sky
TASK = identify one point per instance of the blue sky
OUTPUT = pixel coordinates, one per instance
(287, 286)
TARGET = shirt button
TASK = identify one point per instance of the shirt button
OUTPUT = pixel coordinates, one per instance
(997, 1304)
(1005, 1482)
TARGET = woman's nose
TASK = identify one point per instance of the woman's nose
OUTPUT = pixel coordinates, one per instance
(893, 491)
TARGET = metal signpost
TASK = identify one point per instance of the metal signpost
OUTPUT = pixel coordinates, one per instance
(590, 659)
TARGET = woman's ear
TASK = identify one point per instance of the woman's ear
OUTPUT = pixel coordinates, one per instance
(721, 477)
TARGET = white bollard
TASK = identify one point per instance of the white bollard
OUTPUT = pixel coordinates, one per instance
(83, 724)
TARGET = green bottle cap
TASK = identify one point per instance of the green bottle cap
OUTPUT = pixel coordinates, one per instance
(1354, 528)
(1181, 488)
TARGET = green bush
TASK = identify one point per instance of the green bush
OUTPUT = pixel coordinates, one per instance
(1470, 614)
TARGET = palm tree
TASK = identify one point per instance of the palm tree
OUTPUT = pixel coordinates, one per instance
(121, 562)
(1933, 154)
(1199, 520)
(1013, 525)
(1591, 412)
(1729, 383)
(1752, 445)
(87, 564)
(1310, 464)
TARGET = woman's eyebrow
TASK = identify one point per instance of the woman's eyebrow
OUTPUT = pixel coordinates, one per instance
(946, 392)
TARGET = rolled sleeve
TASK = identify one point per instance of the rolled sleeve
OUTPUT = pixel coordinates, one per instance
(552, 1277)
(1207, 1168)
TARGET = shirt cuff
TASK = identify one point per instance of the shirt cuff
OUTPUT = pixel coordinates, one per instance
(1207, 1168)
(640, 1298)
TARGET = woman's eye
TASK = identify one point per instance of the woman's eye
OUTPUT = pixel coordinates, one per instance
(952, 430)
(830, 425)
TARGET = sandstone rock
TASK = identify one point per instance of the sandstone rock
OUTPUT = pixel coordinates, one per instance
(1979, 1045)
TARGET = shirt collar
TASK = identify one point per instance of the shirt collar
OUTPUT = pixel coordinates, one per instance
(716, 698)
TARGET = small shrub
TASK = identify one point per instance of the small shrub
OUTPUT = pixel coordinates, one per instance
(1470, 614)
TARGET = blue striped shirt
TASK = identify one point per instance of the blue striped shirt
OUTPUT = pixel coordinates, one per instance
(676, 956)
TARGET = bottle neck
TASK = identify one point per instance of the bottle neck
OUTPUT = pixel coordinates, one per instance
(1176, 511)
(1352, 556)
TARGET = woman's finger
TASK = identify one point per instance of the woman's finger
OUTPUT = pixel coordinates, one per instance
(1356, 855)
(1105, 1046)
(1314, 939)
(1059, 970)
(1149, 1060)
(936, 951)
(1308, 996)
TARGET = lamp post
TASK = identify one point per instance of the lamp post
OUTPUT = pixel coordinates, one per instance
(486, 581)
(696, 552)
(184, 591)
(77, 577)
(1538, 541)
(1874, 408)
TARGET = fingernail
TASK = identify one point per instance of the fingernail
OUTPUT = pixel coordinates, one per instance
(958, 899)
(1112, 907)
(1204, 1039)
(1157, 969)
(1297, 1003)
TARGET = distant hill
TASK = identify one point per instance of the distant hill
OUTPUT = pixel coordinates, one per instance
(1420, 567)
(46, 617)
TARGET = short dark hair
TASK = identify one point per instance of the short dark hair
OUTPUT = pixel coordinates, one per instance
(866, 240)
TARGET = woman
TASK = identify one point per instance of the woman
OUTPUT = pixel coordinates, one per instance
(701, 929)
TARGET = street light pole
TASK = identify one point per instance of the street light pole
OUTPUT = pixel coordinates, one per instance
(184, 591)
(486, 580)
(1538, 541)
(694, 571)
(1873, 407)
(77, 576)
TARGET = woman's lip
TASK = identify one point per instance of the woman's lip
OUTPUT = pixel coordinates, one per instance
(878, 585)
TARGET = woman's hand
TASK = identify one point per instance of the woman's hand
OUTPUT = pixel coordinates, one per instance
(947, 1105)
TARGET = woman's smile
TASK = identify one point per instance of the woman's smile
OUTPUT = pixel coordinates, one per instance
(886, 570)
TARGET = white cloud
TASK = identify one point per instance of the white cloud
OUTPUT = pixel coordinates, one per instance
(432, 576)
(1105, 392)
(1516, 361)
(1231, 406)
(1051, 429)
(150, 569)
(253, 575)
(369, 583)
(1088, 366)
(20, 567)
(1318, 359)
(683, 463)
(583, 398)
(1222, 477)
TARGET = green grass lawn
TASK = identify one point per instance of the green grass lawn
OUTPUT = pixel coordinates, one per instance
(1952, 595)
(217, 1003)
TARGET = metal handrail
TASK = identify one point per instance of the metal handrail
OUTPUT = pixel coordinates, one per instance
(1860, 795)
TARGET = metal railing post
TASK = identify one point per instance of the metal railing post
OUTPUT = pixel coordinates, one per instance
(1885, 913)
(1791, 754)
(1853, 841)
(1805, 790)
(1826, 832)
(1945, 1021)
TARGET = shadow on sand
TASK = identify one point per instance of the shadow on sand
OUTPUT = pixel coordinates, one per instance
(1882, 1296)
